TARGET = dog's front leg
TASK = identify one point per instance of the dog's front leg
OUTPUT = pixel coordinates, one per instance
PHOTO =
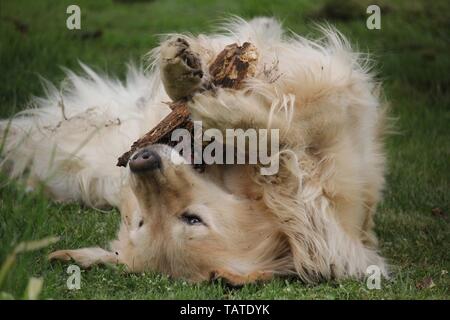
(236, 109)
(184, 74)
(181, 69)
(86, 257)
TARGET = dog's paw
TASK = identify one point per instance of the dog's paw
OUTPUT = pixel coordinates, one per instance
(181, 68)
(85, 257)
(63, 255)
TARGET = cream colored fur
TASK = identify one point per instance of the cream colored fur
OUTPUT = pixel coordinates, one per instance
(313, 219)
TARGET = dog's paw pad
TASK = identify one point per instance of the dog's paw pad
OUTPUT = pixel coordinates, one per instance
(181, 68)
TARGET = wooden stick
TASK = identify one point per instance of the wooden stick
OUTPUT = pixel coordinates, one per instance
(230, 68)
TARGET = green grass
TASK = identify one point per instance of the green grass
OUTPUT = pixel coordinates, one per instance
(412, 53)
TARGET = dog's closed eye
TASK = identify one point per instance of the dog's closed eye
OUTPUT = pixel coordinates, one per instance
(191, 219)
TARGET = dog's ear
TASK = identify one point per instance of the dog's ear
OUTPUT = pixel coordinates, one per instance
(86, 257)
(235, 279)
(308, 235)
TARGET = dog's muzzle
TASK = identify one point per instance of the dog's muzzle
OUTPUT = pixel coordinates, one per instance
(145, 160)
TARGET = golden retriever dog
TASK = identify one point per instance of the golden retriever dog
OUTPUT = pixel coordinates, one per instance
(312, 219)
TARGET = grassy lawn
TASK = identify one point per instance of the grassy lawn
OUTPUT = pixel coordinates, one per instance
(412, 51)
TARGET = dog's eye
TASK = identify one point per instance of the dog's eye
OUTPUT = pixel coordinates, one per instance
(191, 219)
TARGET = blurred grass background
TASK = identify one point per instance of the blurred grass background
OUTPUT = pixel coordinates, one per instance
(412, 53)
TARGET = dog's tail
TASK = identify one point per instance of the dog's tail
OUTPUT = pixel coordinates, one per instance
(69, 141)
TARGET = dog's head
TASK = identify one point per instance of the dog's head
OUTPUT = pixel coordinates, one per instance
(195, 226)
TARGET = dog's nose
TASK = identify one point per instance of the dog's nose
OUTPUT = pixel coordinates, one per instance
(145, 160)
